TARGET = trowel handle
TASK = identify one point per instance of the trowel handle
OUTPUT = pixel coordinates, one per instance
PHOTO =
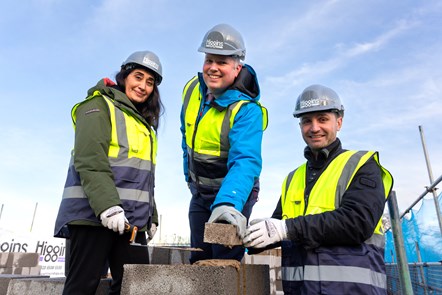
(132, 229)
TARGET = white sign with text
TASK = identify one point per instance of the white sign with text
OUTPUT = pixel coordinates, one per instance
(52, 250)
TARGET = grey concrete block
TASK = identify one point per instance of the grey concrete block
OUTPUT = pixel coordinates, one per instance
(4, 259)
(33, 271)
(179, 256)
(144, 279)
(18, 259)
(271, 257)
(36, 286)
(47, 286)
(6, 278)
(6, 270)
(169, 255)
(103, 287)
(221, 233)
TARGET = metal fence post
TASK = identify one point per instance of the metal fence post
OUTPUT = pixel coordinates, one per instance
(421, 268)
(402, 261)
(430, 174)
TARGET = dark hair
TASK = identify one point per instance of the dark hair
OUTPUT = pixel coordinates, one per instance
(339, 113)
(152, 108)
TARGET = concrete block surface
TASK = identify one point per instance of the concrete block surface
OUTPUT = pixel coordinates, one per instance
(145, 279)
(33, 271)
(169, 255)
(30, 286)
(272, 258)
(6, 278)
(221, 233)
(46, 286)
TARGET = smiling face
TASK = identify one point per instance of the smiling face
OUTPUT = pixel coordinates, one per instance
(139, 85)
(320, 129)
(219, 72)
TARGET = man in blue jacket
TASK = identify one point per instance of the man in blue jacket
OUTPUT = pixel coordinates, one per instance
(222, 125)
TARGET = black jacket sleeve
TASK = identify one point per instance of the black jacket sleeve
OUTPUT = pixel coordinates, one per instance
(353, 222)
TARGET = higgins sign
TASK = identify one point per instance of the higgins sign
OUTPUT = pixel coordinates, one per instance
(52, 251)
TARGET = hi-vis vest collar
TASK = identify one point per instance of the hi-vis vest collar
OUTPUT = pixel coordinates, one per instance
(207, 137)
(125, 141)
(326, 194)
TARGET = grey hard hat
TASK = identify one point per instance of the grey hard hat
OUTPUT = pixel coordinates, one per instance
(149, 60)
(223, 39)
(317, 98)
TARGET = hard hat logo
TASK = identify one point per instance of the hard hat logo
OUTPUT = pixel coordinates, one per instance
(150, 63)
(323, 101)
(215, 40)
(310, 103)
(214, 44)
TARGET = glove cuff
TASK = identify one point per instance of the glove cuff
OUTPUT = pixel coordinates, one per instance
(283, 229)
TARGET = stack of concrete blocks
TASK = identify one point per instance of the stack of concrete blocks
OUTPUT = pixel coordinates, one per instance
(35, 285)
(20, 275)
(46, 286)
(19, 263)
(169, 255)
(272, 258)
(145, 279)
(7, 279)
(171, 273)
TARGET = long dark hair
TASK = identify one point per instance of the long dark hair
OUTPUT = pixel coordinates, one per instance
(152, 108)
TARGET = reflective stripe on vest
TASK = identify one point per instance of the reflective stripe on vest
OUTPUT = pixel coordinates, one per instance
(208, 143)
(132, 157)
(334, 273)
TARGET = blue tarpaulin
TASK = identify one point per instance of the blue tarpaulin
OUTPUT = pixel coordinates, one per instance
(419, 227)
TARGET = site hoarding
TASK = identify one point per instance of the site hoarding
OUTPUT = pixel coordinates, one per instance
(52, 250)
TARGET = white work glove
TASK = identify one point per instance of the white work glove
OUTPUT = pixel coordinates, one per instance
(151, 232)
(264, 232)
(114, 219)
(230, 215)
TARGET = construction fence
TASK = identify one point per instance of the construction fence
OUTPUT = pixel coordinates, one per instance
(413, 251)
(426, 278)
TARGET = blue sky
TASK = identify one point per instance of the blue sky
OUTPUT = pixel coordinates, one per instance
(382, 57)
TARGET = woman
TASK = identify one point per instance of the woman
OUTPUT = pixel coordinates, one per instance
(110, 181)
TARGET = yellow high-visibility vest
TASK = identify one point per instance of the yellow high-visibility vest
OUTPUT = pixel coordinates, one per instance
(326, 194)
(208, 140)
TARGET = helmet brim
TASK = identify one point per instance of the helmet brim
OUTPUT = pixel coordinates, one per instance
(224, 52)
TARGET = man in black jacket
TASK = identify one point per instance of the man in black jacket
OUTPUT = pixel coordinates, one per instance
(328, 218)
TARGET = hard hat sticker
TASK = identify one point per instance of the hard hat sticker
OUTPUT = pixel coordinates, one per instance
(215, 40)
(148, 62)
(309, 103)
(214, 44)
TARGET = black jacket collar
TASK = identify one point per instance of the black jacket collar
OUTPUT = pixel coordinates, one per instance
(323, 155)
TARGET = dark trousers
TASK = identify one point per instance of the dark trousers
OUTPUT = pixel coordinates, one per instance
(91, 247)
(199, 214)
